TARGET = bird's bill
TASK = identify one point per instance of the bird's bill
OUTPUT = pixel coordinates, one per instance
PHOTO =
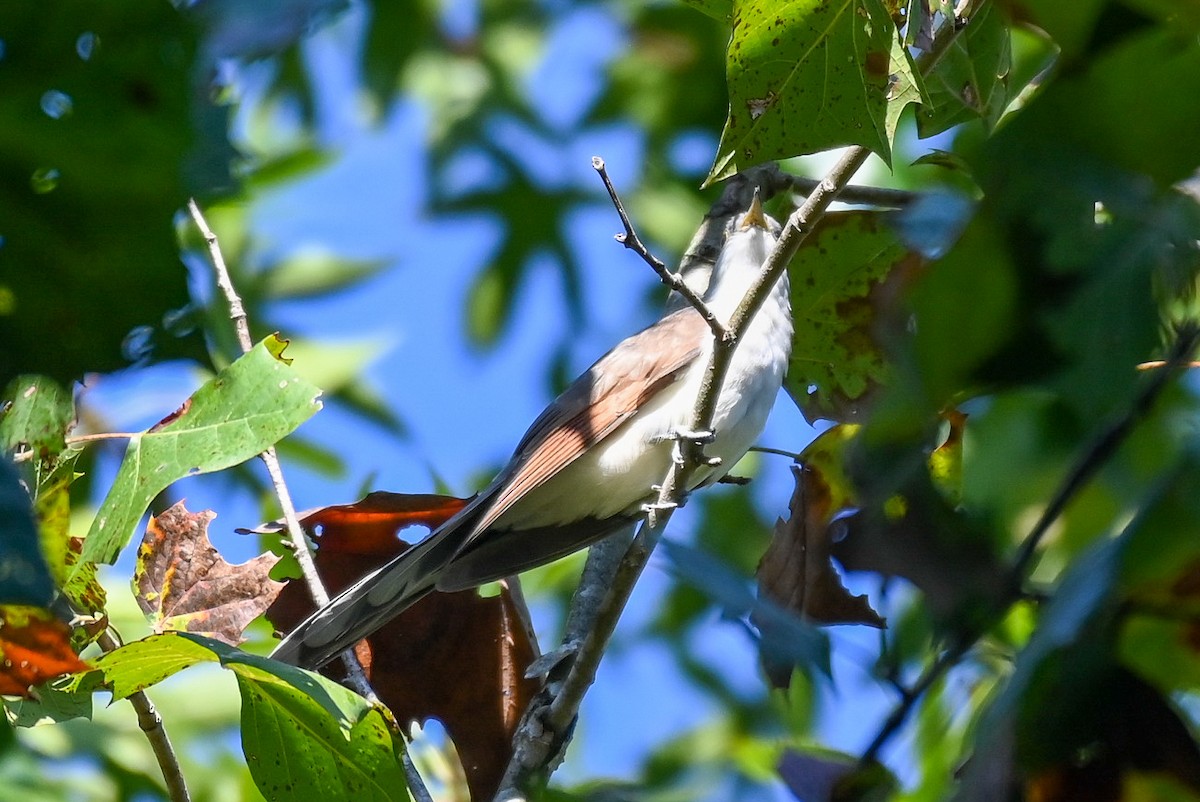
(754, 215)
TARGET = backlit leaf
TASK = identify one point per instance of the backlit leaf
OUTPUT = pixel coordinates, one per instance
(247, 407)
(805, 76)
(34, 647)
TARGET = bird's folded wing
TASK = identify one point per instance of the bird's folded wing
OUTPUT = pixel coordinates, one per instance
(597, 403)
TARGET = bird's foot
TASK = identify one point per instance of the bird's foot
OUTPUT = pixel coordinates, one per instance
(653, 509)
(682, 433)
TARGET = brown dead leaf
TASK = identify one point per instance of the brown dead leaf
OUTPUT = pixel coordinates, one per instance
(797, 571)
(184, 584)
(34, 647)
(456, 657)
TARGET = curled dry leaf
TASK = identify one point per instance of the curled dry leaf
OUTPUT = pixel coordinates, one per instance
(797, 571)
(34, 647)
(456, 657)
(182, 582)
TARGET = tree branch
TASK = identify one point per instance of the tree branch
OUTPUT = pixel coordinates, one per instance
(297, 542)
(884, 197)
(633, 242)
(547, 724)
(151, 724)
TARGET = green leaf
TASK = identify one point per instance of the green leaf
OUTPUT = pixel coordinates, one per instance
(39, 413)
(839, 295)
(805, 76)
(296, 751)
(964, 305)
(244, 409)
(142, 663)
(717, 9)
(970, 81)
(61, 700)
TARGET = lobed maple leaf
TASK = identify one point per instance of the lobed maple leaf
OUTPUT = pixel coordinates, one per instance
(182, 583)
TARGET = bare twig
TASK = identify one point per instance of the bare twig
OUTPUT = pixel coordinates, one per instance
(633, 242)
(1102, 449)
(151, 724)
(794, 456)
(884, 197)
(297, 541)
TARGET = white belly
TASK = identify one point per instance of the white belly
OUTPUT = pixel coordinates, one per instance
(620, 473)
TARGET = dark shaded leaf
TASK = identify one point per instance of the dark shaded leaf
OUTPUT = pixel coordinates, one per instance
(797, 572)
(822, 776)
(98, 152)
(24, 576)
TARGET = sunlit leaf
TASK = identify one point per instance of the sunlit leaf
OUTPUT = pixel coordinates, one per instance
(183, 583)
(247, 407)
(805, 76)
(844, 284)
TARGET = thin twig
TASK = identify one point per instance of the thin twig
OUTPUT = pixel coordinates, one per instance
(297, 541)
(909, 696)
(151, 724)
(794, 456)
(1102, 448)
(633, 242)
(1088, 464)
(884, 197)
(79, 439)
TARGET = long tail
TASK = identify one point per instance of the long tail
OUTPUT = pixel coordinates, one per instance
(372, 601)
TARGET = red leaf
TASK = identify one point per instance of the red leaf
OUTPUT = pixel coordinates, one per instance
(456, 657)
(34, 647)
(183, 583)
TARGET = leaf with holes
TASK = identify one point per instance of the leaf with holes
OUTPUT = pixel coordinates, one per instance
(845, 283)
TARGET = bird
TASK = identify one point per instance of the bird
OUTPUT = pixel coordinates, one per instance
(590, 463)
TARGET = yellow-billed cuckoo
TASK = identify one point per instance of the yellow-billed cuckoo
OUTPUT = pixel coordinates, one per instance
(588, 464)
